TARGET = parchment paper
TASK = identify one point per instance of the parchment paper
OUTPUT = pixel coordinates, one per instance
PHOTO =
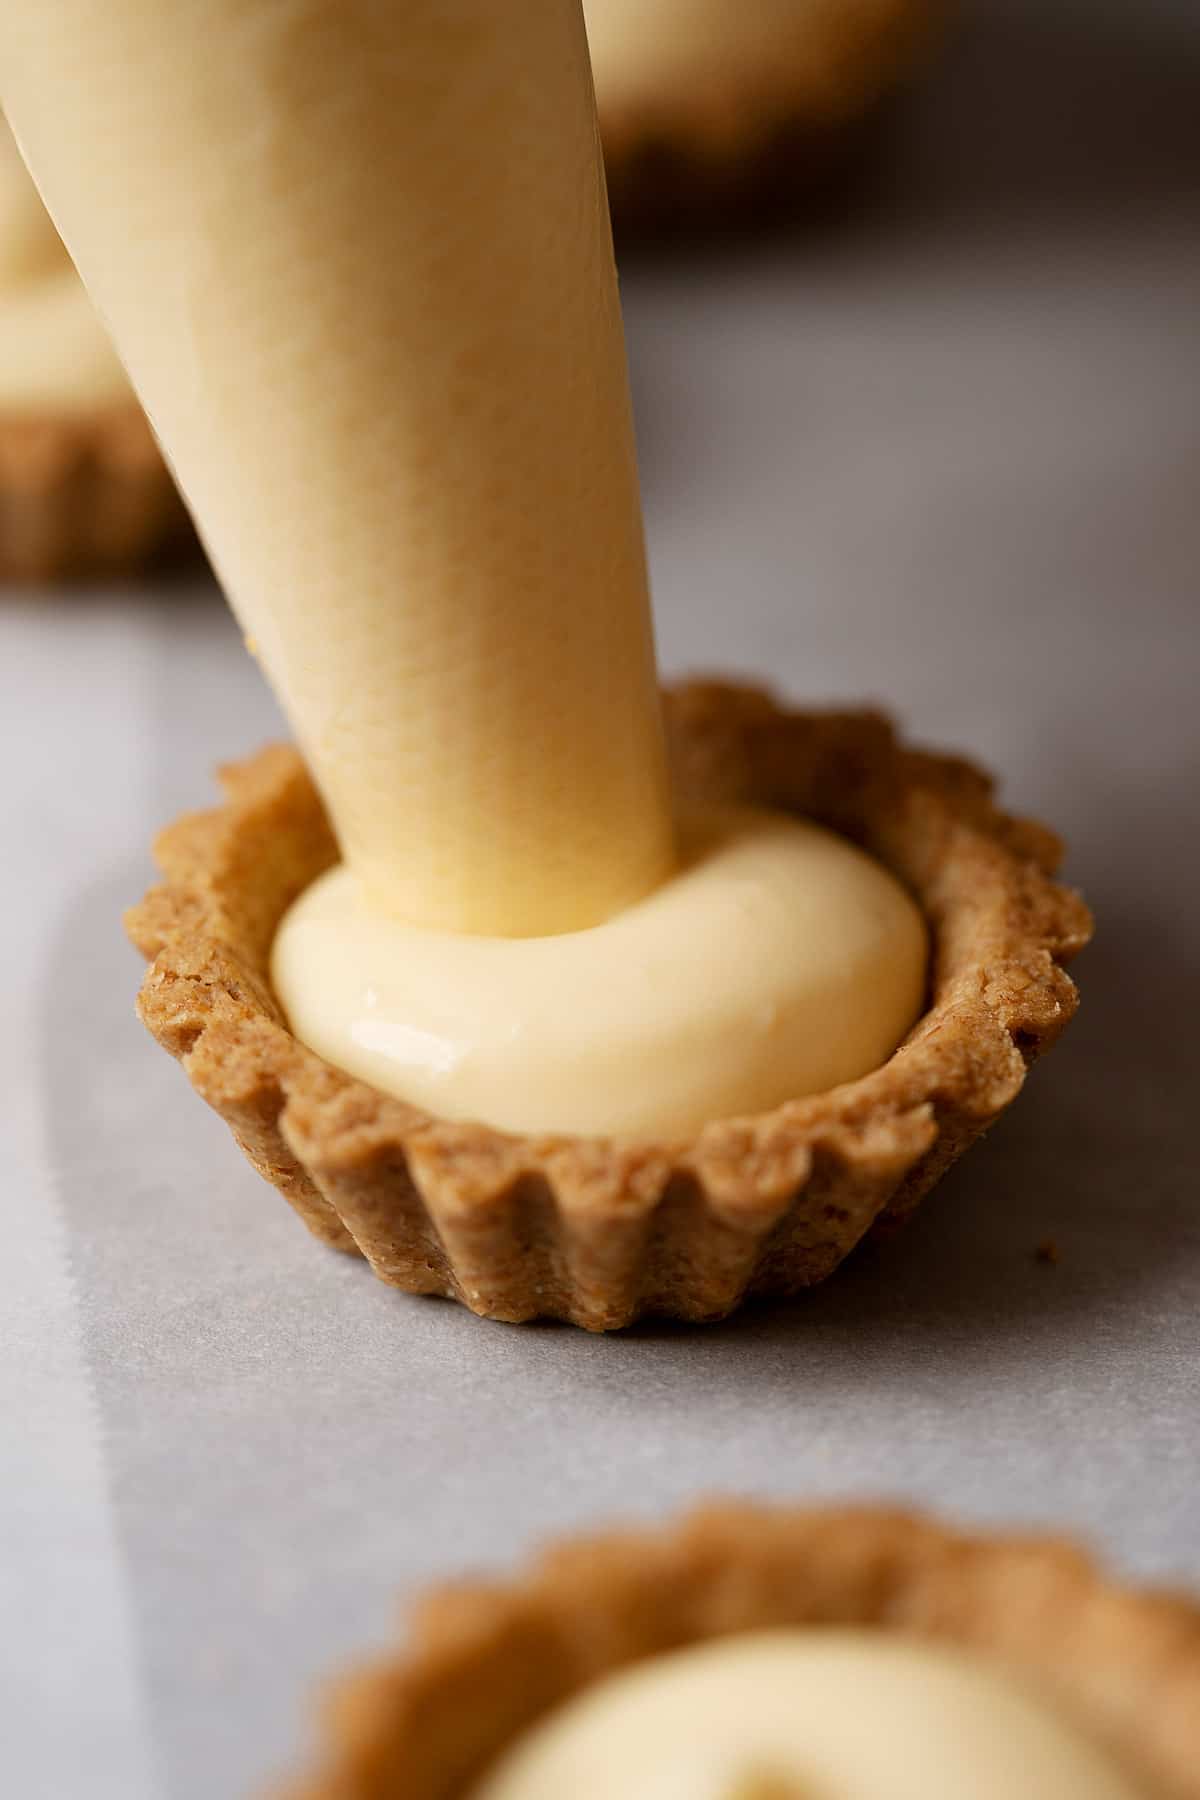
(946, 459)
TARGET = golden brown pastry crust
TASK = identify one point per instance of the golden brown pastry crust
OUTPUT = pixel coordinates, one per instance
(486, 1660)
(585, 1229)
(706, 152)
(83, 497)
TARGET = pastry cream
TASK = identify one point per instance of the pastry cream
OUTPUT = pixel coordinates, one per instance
(357, 259)
(55, 355)
(807, 1715)
(778, 961)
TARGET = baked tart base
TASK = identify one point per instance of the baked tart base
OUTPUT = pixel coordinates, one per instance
(749, 141)
(590, 1230)
(485, 1661)
(85, 497)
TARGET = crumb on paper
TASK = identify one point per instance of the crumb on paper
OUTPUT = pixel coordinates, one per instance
(1048, 1251)
(251, 644)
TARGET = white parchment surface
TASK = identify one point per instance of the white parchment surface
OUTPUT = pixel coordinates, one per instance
(948, 460)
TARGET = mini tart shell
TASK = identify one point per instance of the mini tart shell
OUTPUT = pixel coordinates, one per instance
(486, 1661)
(85, 497)
(747, 142)
(589, 1230)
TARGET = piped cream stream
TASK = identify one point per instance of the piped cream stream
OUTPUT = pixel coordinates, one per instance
(356, 257)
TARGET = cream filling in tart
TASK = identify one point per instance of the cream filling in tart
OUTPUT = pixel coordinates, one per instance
(803, 1714)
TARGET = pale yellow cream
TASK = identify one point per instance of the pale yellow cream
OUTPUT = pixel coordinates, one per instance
(808, 1715)
(55, 356)
(777, 962)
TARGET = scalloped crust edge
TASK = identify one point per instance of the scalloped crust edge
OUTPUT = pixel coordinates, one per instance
(85, 497)
(485, 1660)
(589, 1230)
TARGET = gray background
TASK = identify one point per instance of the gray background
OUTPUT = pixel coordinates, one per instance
(946, 458)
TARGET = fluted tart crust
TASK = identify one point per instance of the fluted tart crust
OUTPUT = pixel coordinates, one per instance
(85, 497)
(484, 1661)
(589, 1230)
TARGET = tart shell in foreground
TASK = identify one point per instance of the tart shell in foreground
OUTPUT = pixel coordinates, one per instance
(589, 1230)
(486, 1661)
(85, 497)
